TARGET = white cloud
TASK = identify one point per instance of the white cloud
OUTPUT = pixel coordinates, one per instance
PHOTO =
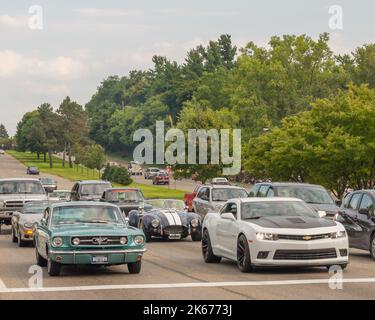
(18, 21)
(197, 13)
(13, 64)
(100, 13)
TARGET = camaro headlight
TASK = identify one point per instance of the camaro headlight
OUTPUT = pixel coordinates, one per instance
(267, 236)
(28, 225)
(338, 234)
(76, 241)
(194, 223)
(123, 240)
(57, 241)
(139, 240)
(155, 223)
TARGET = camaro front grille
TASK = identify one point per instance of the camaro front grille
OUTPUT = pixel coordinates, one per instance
(305, 254)
(304, 237)
(98, 240)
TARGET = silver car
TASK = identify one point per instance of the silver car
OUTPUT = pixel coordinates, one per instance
(212, 197)
(24, 220)
(14, 193)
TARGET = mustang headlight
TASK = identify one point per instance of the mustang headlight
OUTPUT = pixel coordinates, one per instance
(194, 223)
(28, 225)
(267, 236)
(155, 223)
(76, 241)
(139, 240)
(57, 242)
(338, 234)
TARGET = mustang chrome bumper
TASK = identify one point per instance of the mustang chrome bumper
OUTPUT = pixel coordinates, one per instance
(99, 252)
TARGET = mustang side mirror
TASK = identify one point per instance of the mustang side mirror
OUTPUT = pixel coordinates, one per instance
(322, 214)
(228, 216)
(364, 211)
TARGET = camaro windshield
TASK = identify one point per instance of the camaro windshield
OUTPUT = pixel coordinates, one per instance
(85, 214)
(309, 195)
(167, 204)
(125, 195)
(94, 189)
(225, 194)
(21, 187)
(255, 210)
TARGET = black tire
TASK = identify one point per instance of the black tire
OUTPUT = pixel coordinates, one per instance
(243, 254)
(372, 246)
(207, 252)
(40, 261)
(135, 267)
(20, 242)
(53, 268)
(196, 236)
(147, 235)
(14, 237)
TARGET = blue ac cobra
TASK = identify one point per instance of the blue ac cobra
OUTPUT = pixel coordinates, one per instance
(168, 219)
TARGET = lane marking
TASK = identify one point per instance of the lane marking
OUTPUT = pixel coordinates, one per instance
(186, 285)
(2, 285)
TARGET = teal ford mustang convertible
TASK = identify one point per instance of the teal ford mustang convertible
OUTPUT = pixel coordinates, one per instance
(87, 233)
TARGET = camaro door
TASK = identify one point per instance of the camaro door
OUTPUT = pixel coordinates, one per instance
(227, 230)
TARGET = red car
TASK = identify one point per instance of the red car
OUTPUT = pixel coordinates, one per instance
(189, 197)
(160, 178)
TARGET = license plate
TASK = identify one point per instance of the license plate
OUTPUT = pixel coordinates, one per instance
(99, 259)
(175, 236)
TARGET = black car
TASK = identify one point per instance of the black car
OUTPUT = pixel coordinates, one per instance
(32, 171)
(316, 196)
(89, 190)
(357, 214)
(126, 199)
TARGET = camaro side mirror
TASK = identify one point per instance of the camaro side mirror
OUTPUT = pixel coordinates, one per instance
(228, 216)
(364, 211)
(322, 214)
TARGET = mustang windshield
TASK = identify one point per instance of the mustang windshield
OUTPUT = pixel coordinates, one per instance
(95, 189)
(224, 194)
(21, 187)
(255, 210)
(307, 194)
(85, 214)
(125, 195)
(167, 204)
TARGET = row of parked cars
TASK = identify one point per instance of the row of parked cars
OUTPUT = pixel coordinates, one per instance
(98, 225)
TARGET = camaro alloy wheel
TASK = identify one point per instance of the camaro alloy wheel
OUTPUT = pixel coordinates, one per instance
(53, 268)
(372, 247)
(243, 254)
(207, 252)
(40, 261)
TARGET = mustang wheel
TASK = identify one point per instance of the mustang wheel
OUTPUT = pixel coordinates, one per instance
(40, 261)
(135, 267)
(14, 237)
(207, 252)
(372, 247)
(243, 254)
(53, 268)
(196, 236)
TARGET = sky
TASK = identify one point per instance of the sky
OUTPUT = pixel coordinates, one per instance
(80, 43)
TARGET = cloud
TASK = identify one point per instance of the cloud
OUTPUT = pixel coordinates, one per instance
(100, 13)
(18, 21)
(197, 13)
(13, 64)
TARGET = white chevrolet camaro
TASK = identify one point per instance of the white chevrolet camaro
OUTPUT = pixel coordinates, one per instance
(261, 232)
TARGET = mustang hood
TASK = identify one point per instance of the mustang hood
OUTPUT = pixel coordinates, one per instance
(90, 229)
(292, 222)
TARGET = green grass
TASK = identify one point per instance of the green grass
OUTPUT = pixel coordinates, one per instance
(81, 173)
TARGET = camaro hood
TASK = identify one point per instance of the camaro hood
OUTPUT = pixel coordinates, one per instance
(325, 207)
(90, 229)
(292, 222)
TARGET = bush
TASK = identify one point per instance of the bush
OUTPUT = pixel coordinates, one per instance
(117, 175)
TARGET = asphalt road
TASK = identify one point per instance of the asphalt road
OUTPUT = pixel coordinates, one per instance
(174, 270)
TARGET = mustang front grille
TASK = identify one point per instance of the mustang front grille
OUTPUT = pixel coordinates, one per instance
(98, 240)
(305, 237)
(305, 254)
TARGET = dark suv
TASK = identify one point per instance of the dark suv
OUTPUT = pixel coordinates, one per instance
(316, 196)
(357, 214)
(89, 190)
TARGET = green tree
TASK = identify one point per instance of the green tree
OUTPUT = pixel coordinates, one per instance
(3, 132)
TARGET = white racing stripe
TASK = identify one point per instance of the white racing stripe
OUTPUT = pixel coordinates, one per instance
(176, 217)
(187, 285)
(169, 217)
